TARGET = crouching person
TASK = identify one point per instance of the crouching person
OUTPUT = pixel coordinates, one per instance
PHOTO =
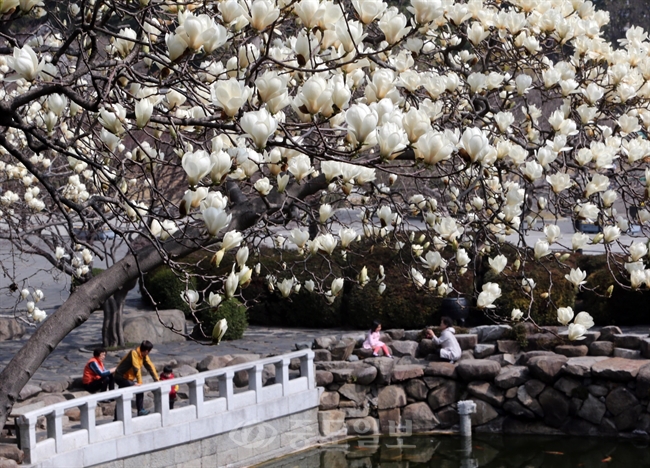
(96, 378)
(129, 372)
(449, 347)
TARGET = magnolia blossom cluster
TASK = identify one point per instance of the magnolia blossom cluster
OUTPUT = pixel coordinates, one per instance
(32, 298)
(492, 122)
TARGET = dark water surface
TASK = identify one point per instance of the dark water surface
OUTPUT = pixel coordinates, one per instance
(484, 451)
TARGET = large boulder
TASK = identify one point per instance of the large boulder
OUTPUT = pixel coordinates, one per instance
(607, 333)
(362, 426)
(404, 348)
(628, 340)
(601, 348)
(329, 401)
(354, 392)
(508, 346)
(29, 391)
(417, 389)
(467, 341)
(529, 402)
(444, 395)
(581, 366)
(392, 396)
(241, 377)
(487, 392)
(645, 348)
(643, 383)
(592, 410)
(330, 422)
(555, 405)
(490, 332)
(419, 416)
(342, 350)
(546, 368)
(213, 362)
(384, 366)
(426, 347)
(484, 413)
(618, 369)
(324, 378)
(572, 350)
(511, 376)
(441, 369)
(484, 350)
(619, 400)
(407, 372)
(11, 452)
(11, 329)
(324, 342)
(365, 375)
(478, 369)
(147, 326)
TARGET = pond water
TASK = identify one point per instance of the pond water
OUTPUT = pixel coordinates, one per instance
(483, 451)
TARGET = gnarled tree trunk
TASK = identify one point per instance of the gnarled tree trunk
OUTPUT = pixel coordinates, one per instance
(113, 307)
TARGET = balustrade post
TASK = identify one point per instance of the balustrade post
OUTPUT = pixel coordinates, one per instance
(307, 369)
(282, 374)
(226, 389)
(255, 381)
(27, 432)
(88, 419)
(161, 402)
(123, 411)
(196, 396)
(55, 428)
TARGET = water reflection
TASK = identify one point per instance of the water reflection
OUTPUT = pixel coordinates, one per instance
(481, 451)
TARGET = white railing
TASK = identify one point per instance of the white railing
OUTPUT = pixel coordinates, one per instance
(58, 442)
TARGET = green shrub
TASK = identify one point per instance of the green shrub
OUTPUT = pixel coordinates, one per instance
(591, 263)
(235, 314)
(165, 288)
(624, 307)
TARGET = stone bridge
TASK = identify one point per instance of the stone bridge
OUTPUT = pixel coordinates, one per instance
(238, 428)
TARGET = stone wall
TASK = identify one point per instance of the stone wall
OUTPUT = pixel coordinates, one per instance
(241, 447)
(584, 389)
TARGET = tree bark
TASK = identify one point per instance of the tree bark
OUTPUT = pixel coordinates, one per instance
(113, 307)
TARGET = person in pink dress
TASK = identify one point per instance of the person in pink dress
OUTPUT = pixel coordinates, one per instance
(373, 342)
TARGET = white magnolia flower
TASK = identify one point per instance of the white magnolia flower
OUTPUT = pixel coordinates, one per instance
(584, 319)
(191, 297)
(214, 299)
(285, 286)
(490, 293)
(25, 62)
(552, 232)
(263, 186)
(417, 278)
(230, 95)
(498, 263)
(516, 315)
(310, 285)
(196, 165)
(611, 233)
(143, 111)
(541, 249)
(300, 166)
(576, 332)
(325, 212)
(564, 315)
(232, 281)
(231, 240)
(434, 261)
(579, 240)
(259, 125)
(576, 277)
(299, 237)
(638, 250)
(337, 286)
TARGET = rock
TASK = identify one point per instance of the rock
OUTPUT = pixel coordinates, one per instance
(467, 341)
(627, 353)
(484, 350)
(628, 418)
(29, 391)
(362, 353)
(353, 358)
(185, 370)
(354, 392)
(384, 368)
(511, 393)
(54, 386)
(155, 327)
(486, 392)
(322, 355)
(529, 402)
(324, 342)
(447, 417)
(329, 400)
(6, 463)
(392, 396)
(490, 332)
(444, 395)
(598, 390)
(343, 375)
(404, 348)
(534, 387)
(546, 368)
(330, 422)
(643, 383)
(441, 369)
(342, 350)
(592, 410)
(241, 377)
(362, 426)
(416, 389)
(645, 348)
(620, 399)
(512, 426)
(12, 452)
(628, 340)
(567, 385)
(542, 341)
(213, 362)
(511, 376)
(413, 335)
(426, 347)
(571, 350)
(51, 398)
(503, 359)
(389, 420)
(419, 416)
(11, 329)
(617, 369)
(517, 409)
(607, 333)
(484, 413)
(302, 345)
(73, 414)
(396, 333)
(407, 372)
(601, 348)
(478, 369)
(324, 378)
(555, 406)
(581, 366)
(589, 337)
(356, 412)
(508, 346)
(409, 360)
(525, 357)
(365, 375)
(466, 355)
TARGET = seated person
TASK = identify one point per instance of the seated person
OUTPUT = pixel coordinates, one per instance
(96, 378)
(449, 347)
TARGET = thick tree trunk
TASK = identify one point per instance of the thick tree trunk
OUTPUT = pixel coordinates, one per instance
(113, 307)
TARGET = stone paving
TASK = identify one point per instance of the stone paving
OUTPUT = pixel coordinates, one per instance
(68, 359)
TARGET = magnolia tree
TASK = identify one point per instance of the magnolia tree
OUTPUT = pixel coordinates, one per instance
(224, 127)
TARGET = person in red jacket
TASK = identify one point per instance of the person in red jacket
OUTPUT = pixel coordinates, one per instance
(167, 374)
(96, 378)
